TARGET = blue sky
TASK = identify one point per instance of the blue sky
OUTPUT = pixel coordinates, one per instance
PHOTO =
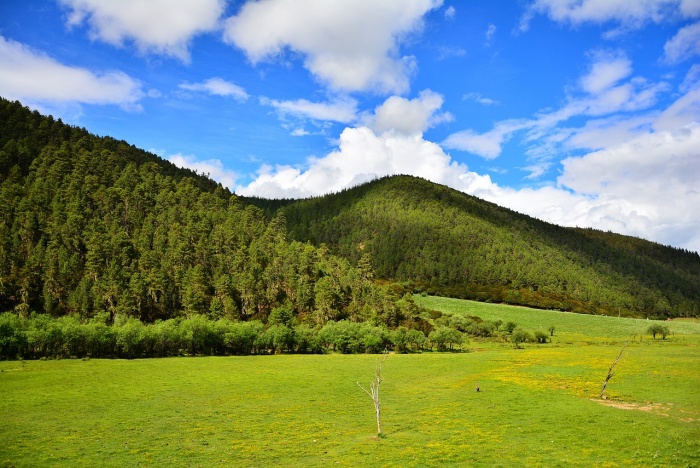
(578, 112)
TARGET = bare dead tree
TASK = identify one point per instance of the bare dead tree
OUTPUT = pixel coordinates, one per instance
(611, 372)
(374, 389)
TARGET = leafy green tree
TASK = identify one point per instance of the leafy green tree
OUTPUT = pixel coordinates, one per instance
(541, 337)
(520, 336)
(445, 337)
(658, 329)
(510, 326)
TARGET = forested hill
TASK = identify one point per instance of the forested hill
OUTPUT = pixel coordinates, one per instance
(96, 227)
(25, 133)
(443, 241)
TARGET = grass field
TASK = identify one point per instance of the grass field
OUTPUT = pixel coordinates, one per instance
(537, 406)
(567, 325)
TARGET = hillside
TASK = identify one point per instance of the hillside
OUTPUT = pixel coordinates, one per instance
(94, 227)
(443, 241)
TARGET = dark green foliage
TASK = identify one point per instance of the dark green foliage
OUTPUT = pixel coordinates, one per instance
(510, 327)
(94, 226)
(442, 241)
(42, 336)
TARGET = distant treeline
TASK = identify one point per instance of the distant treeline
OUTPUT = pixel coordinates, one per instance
(446, 242)
(40, 336)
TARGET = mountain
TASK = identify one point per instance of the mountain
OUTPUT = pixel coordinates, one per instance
(94, 227)
(442, 241)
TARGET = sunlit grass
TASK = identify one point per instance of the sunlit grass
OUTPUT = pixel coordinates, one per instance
(536, 406)
(575, 326)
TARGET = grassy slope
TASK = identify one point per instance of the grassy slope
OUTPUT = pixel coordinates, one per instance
(567, 325)
(536, 407)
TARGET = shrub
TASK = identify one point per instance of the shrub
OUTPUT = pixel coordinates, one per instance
(444, 337)
(658, 329)
(306, 340)
(242, 337)
(541, 337)
(521, 336)
(510, 327)
(416, 338)
(434, 314)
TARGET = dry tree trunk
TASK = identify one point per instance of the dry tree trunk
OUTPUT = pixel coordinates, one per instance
(374, 390)
(611, 372)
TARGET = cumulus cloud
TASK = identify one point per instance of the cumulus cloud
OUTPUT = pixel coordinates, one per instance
(33, 76)
(666, 209)
(450, 12)
(327, 36)
(155, 26)
(214, 168)
(684, 45)
(340, 109)
(628, 14)
(594, 190)
(362, 155)
(217, 87)
(408, 116)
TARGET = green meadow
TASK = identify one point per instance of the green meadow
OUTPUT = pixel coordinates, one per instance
(568, 326)
(537, 406)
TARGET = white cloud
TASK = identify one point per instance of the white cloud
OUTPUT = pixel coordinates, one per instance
(685, 110)
(628, 14)
(32, 76)
(450, 12)
(598, 190)
(408, 116)
(684, 45)
(663, 208)
(214, 168)
(602, 133)
(446, 52)
(477, 97)
(487, 145)
(349, 46)
(606, 72)
(536, 171)
(155, 26)
(362, 155)
(601, 189)
(490, 33)
(340, 109)
(603, 95)
(692, 78)
(217, 87)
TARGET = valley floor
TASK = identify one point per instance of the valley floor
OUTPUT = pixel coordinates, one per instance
(536, 406)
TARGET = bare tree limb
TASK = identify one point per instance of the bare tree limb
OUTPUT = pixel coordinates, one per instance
(611, 372)
(374, 389)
